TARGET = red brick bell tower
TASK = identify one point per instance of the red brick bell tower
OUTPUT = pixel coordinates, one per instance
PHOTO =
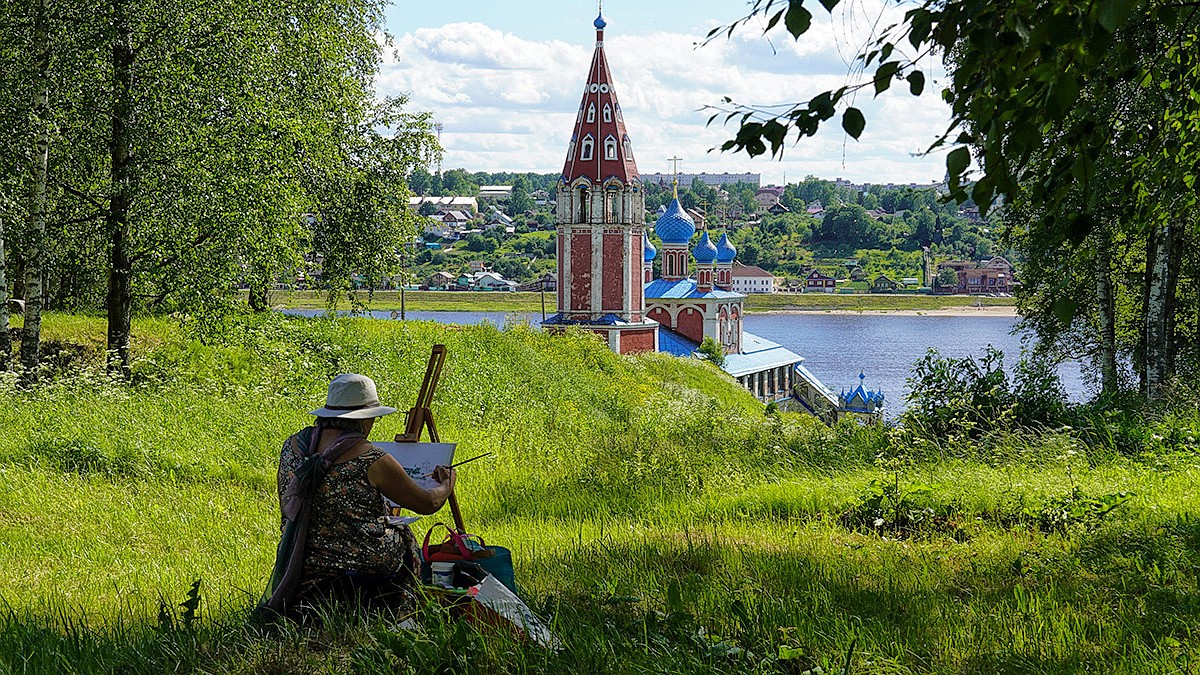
(601, 221)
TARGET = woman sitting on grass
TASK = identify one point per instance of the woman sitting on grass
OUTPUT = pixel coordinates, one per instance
(337, 540)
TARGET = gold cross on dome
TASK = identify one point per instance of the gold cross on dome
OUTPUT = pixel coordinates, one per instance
(675, 164)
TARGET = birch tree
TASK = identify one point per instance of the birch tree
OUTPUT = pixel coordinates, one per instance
(194, 133)
(1045, 97)
(35, 235)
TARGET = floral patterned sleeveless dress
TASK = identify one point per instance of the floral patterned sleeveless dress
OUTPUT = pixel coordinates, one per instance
(348, 531)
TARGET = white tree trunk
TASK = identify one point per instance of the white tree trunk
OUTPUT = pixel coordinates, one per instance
(1158, 294)
(120, 272)
(5, 342)
(31, 335)
(1107, 312)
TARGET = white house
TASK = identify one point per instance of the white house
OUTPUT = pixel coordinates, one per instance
(490, 281)
(752, 279)
(444, 204)
(495, 191)
(497, 219)
(438, 227)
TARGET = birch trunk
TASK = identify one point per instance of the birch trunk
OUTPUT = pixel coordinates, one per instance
(35, 271)
(120, 274)
(259, 297)
(1107, 311)
(1156, 311)
(5, 340)
(1174, 263)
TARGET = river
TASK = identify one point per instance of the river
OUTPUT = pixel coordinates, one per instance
(837, 347)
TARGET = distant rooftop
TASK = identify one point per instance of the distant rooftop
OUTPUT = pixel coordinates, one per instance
(686, 179)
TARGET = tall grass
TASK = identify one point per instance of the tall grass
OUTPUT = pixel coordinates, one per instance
(659, 519)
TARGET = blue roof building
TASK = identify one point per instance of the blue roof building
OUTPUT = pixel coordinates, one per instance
(861, 401)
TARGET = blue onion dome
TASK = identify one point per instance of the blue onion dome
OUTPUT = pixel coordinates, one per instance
(705, 252)
(599, 23)
(648, 250)
(725, 250)
(675, 226)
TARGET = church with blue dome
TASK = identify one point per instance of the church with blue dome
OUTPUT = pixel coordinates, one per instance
(692, 300)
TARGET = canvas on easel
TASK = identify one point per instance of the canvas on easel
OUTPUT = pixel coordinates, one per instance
(420, 459)
(420, 418)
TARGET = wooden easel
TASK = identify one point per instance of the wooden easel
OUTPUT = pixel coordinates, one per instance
(419, 417)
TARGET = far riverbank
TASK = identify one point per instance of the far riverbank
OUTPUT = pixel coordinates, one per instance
(464, 301)
(1002, 311)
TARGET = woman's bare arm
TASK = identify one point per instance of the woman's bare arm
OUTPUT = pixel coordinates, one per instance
(393, 481)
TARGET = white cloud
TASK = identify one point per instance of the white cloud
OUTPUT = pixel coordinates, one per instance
(508, 103)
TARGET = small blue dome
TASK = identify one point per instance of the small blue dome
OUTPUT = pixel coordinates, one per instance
(648, 250)
(599, 23)
(705, 252)
(725, 250)
(675, 226)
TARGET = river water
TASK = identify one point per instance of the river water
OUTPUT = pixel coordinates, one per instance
(837, 347)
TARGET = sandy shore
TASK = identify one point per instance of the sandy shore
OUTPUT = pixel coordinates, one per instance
(1007, 312)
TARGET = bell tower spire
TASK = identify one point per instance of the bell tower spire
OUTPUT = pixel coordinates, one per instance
(601, 219)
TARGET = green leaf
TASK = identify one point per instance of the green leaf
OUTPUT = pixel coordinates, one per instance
(920, 24)
(1064, 309)
(1113, 13)
(916, 82)
(829, 4)
(853, 122)
(797, 19)
(774, 20)
(883, 76)
(739, 611)
(674, 597)
(822, 104)
(775, 132)
(957, 161)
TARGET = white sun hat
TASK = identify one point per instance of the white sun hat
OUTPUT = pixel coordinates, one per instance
(352, 397)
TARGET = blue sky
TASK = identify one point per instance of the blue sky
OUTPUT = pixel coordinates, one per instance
(504, 79)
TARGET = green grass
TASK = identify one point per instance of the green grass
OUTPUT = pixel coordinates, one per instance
(443, 301)
(428, 301)
(867, 302)
(658, 519)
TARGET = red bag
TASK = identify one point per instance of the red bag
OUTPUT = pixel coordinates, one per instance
(457, 546)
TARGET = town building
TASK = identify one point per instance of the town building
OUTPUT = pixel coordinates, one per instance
(443, 204)
(437, 227)
(860, 402)
(496, 219)
(485, 280)
(883, 284)
(816, 282)
(767, 197)
(712, 179)
(752, 279)
(985, 277)
(600, 221)
(439, 281)
(495, 191)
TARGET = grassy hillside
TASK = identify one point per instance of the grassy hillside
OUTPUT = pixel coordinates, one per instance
(658, 518)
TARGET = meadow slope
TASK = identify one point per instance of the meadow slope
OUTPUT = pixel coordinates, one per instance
(659, 519)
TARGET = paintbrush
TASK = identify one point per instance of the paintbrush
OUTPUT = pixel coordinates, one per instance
(458, 464)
